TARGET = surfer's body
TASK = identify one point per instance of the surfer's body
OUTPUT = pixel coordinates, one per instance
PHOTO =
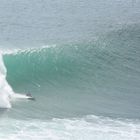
(30, 96)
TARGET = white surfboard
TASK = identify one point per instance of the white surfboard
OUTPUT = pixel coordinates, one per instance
(22, 96)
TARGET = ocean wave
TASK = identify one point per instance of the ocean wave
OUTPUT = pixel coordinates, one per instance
(101, 76)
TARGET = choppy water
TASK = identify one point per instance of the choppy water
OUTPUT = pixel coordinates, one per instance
(80, 60)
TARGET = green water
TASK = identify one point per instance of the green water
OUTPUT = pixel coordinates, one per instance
(80, 60)
(96, 77)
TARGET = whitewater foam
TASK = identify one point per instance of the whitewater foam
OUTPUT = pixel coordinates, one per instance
(5, 89)
(86, 128)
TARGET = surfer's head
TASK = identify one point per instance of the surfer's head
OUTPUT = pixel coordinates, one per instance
(28, 94)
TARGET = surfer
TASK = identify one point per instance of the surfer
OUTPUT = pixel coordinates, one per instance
(30, 96)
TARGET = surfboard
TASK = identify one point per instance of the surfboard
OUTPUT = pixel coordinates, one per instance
(22, 96)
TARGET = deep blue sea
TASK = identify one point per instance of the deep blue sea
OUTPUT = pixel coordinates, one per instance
(80, 60)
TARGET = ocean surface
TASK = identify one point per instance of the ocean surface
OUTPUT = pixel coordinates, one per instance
(80, 59)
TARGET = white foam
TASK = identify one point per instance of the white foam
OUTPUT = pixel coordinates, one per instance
(5, 89)
(87, 128)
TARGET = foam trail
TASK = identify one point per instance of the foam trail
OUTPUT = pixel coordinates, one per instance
(5, 89)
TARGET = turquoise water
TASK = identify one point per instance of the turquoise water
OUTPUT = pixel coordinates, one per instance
(81, 62)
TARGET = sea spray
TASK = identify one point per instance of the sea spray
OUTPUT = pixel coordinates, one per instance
(5, 89)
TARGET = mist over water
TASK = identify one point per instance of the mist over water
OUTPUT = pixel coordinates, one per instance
(80, 60)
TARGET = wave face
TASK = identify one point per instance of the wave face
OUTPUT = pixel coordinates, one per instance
(86, 85)
(100, 77)
(83, 91)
